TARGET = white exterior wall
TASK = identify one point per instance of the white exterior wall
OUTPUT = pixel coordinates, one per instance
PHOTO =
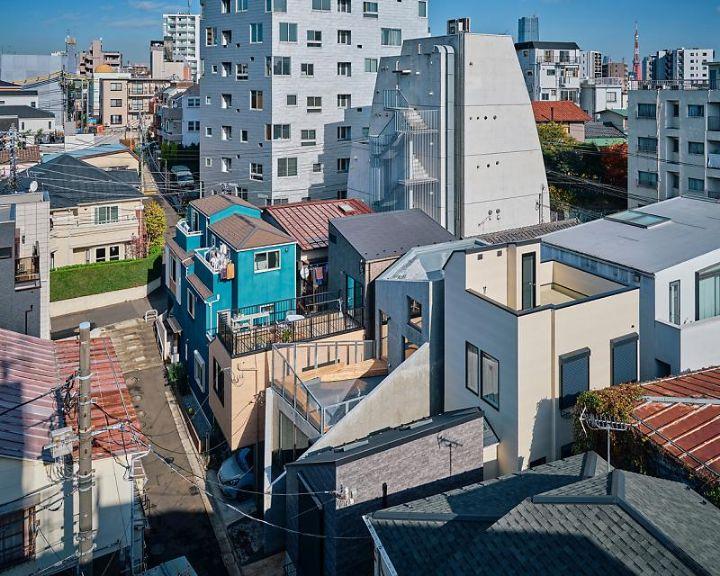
(366, 43)
(550, 79)
(598, 96)
(18, 99)
(665, 128)
(190, 114)
(184, 30)
(32, 125)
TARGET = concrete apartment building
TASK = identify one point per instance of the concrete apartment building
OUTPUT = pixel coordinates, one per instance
(95, 57)
(612, 69)
(163, 63)
(183, 30)
(284, 92)
(25, 263)
(591, 64)
(552, 70)
(679, 64)
(674, 140)
(444, 140)
(600, 94)
(125, 102)
(528, 29)
(517, 344)
(671, 252)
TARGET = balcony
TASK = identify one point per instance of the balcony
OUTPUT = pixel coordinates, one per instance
(256, 328)
(27, 272)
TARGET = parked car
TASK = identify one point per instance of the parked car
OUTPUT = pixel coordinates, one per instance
(237, 474)
(182, 176)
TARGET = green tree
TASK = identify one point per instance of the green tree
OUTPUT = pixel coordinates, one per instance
(155, 224)
(557, 146)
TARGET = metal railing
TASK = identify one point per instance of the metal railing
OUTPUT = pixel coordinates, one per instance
(395, 100)
(27, 269)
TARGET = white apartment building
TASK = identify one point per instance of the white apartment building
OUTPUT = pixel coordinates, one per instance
(674, 140)
(446, 141)
(552, 70)
(179, 116)
(591, 64)
(285, 92)
(184, 32)
(681, 64)
(600, 94)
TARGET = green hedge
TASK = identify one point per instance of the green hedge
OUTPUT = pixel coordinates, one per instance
(86, 279)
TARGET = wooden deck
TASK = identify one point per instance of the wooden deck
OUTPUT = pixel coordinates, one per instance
(345, 372)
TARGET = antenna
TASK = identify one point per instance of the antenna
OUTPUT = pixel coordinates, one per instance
(600, 423)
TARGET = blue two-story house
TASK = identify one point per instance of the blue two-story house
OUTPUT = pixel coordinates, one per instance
(224, 257)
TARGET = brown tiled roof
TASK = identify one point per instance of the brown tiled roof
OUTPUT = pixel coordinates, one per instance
(307, 222)
(559, 112)
(213, 204)
(178, 251)
(200, 288)
(243, 232)
(27, 154)
(682, 415)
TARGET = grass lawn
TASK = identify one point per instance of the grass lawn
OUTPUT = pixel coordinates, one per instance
(86, 279)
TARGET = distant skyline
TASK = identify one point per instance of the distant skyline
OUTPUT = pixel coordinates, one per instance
(40, 27)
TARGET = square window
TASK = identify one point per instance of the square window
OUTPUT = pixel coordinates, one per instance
(267, 261)
(241, 72)
(287, 167)
(391, 37)
(314, 38)
(256, 171)
(323, 5)
(288, 32)
(344, 69)
(371, 65)
(291, 100)
(281, 66)
(370, 9)
(344, 101)
(344, 133)
(100, 254)
(343, 165)
(307, 70)
(344, 37)
(314, 103)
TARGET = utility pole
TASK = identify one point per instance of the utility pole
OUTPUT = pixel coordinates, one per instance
(13, 157)
(85, 472)
(142, 156)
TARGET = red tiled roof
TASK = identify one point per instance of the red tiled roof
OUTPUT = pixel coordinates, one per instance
(31, 366)
(559, 112)
(688, 431)
(307, 222)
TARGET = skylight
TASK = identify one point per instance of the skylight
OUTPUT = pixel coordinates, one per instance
(637, 218)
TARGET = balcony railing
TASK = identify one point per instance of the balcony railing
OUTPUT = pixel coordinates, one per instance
(256, 328)
(27, 270)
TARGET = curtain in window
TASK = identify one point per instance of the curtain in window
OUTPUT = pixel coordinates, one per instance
(709, 294)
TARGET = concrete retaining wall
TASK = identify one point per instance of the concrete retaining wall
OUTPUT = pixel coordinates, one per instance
(62, 307)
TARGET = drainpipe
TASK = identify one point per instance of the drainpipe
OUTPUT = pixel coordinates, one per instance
(211, 303)
(554, 376)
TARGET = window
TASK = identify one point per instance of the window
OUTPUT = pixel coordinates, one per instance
(225, 164)
(696, 111)
(371, 65)
(226, 37)
(307, 70)
(224, 6)
(370, 9)
(624, 359)
(323, 5)
(574, 377)
(708, 293)
(268, 66)
(675, 306)
(391, 37)
(208, 162)
(344, 6)
(208, 100)
(199, 370)
(648, 111)
(648, 145)
(100, 254)
(267, 261)
(115, 102)
(17, 540)
(314, 103)
(344, 101)
(308, 137)
(422, 9)
(344, 69)
(291, 100)
(344, 133)
(225, 69)
(343, 165)
(256, 99)
(611, 96)
(208, 131)
(490, 380)
(256, 33)
(210, 34)
(243, 135)
(219, 381)
(472, 368)
(288, 32)
(280, 132)
(225, 101)
(226, 133)
(287, 167)
(647, 179)
(115, 86)
(281, 66)
(696, 185)
(191, 303)
(256, 171)
(344, 37)
(114, 252)
(317, 167)
(106, 214)
(697, 148)
(414, 312)
(280, 6)
(214, 68)
(114, 119)
(241, 5)
(314, 38)
(241, 71)
(193, 102)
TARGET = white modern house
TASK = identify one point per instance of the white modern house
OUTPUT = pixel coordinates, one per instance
(552, 70)
(285, 90)
(447, 141)
(183, 29)
(179, 115)
(671, 251)
(600, 94)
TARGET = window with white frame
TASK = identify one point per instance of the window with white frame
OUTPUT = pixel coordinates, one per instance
(344, 37)
(210, 34)
(307, 69)
(199, 370)
(225, 101)
(241, 71)
(422, 9)
(256, 33)
(291, 100)
(344, 101)
(243, 135)
(344, 6)
(208, 162)
(226, 133)
(287, 167)
(370, 9)
(371, 65)
(323, 5)
(344, 69)
(191, 303)
(281, 66)
(267, 261)
(208, 131)
(226, 38)
(308, 137)
(288, 32)
(314, 38)
(107, 214)
(391, 37)
(225, 164)
(314, 103)
(256, 171)
(256, 99)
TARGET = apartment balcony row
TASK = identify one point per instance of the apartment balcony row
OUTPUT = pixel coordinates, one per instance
(670, 85)
(254, 329)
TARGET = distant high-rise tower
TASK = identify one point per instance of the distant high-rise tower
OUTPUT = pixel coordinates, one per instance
(528, 29)
(637, 66)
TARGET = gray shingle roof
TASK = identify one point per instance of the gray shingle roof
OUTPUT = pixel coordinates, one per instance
(388, 234)
(25, 112)
(71, 182)
(607, 523)
(600, 130)
(527, 232)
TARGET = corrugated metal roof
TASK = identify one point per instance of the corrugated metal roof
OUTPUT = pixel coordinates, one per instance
(307, 222)
(31, 366)
(688, 431)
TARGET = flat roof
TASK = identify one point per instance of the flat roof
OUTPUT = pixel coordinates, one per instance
(691, 229)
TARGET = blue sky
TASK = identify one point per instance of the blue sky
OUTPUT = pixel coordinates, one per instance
(39, 26)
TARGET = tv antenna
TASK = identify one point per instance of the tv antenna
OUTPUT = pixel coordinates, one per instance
(602, 423)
